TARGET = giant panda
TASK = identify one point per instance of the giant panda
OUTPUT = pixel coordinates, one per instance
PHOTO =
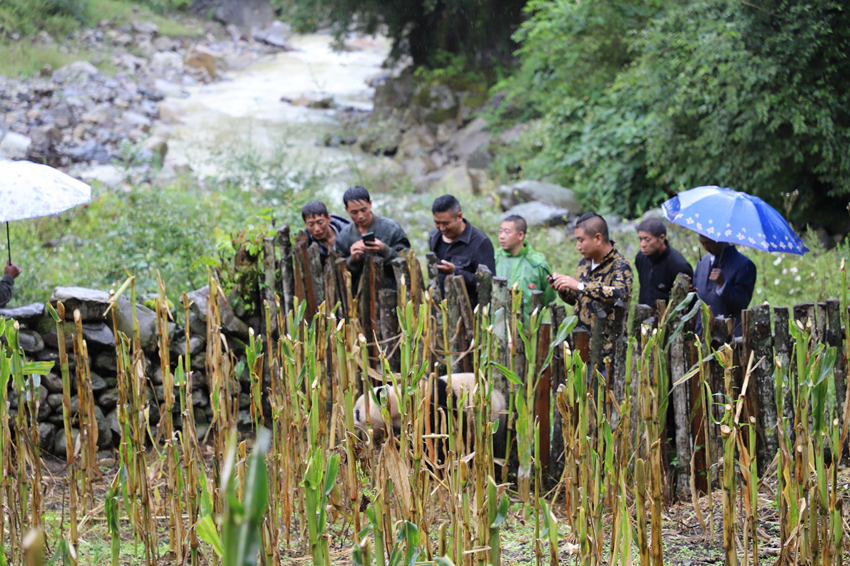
(461, 383)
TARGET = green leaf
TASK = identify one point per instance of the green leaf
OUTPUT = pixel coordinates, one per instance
(209, 534)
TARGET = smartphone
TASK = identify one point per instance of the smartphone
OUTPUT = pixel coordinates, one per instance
(368, 237)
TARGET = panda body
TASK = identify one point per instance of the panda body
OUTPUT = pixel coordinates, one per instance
(461, 384)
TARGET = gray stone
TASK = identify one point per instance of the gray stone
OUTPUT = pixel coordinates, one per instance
(470, 144)
(416, 141)
(46, 432)
(540, 213)
(243, 13)
(14, 145)
(53, 382)
(135, 120)
(202, 58)
(145, 28)
(51, 339)
(98, 384)
(106, 175)
(229, 322)
(112, 422)
(109, 398)
(105, 361)
(275, 34)
(454, 180)
(30, 341)
(91, 303)
(90, 150)
(530, 190)
(54, 400)
(100, 114)
(146, 319)
(29, 315)
(98, 334)
(76, 71)
(200, 398)
(243, 419)
(164, 61)
(196, 345)
(104, 430)
(168, 88)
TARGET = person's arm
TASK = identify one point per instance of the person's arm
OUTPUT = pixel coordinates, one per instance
(395, 242)
(737, 289)
(7, 283)
(482, 254)
(616, 287)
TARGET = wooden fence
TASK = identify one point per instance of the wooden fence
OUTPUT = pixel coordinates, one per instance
(296, 270)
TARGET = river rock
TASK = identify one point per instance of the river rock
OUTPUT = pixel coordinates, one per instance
(55, 401)
(98, 384)
(105, 361)
(437, 103)
(166, 60)
(106, 175)
(145, 28)
(540, 213)
(51, 338)
(75, 72)
(196, 345)
(104, 431)
(29, 315)
(92, 303)
(229, 321)
(275, 34)
(530, 190)
(98, 334)
(157, 145)
(14, 145)
(109, 398)
(90, 150)
(202, 58)
(113, 424)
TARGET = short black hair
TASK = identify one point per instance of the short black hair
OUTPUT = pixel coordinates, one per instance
(654, 226)
(357, 192)
(314, 208)
(518, 221)
(593, 224)
(445, 203)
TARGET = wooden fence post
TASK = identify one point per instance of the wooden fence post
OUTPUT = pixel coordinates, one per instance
(761, 344)
(681, 413)
(269, 269)
(285, 246)
(389, 326)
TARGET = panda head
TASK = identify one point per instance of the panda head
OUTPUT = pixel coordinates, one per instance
(464, 383)
(384, 395)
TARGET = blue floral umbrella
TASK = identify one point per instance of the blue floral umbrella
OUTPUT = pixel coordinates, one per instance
(734, 217)
(29, 190)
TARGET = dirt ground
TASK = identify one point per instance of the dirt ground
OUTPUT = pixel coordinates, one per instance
(685, 540)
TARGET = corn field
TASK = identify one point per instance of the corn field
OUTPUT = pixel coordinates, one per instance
(305, 481)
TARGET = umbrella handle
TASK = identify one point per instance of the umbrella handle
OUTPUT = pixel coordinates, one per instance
(8, 245)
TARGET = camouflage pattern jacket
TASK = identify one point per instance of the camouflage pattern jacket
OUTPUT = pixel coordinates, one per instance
(610, 282)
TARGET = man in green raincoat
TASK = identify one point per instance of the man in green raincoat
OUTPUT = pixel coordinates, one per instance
(517, 262)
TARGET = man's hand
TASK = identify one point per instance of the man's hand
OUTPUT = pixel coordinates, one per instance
(561, 282)
(446, 267)
(11, 270)
(375, 246)
(357, 249)
(716, 275)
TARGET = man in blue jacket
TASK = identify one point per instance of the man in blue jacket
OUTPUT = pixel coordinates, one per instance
(725, 279)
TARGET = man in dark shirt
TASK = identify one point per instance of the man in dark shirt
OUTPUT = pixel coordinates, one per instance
(321, 226)
(459, 246)
(383, 237)
(657, 262)
(8, 282)
(725, 279)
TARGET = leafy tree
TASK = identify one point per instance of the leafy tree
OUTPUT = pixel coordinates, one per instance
(754, 97)
(479, 29)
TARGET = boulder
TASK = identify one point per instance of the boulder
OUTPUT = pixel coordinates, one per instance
(113, 424)
(46, 433)
(90, 150)
(275, 34)
(105, 361)
(106, 175)
(92, 303)
(146, 319)
(454, 180)
(145, 28)
(52, 382)
(163, 61)
(540, 213)
(229, 321)
(98, 384)
(202, 58)
(55, 402)
(29, 315)
(470, 144)
(109, 398)
(14, 145)
(243, 13)
(104, 430)
(529, 190)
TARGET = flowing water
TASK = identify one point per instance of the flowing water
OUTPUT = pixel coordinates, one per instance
(260, 114)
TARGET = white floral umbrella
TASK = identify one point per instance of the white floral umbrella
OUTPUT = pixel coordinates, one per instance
(30, 190)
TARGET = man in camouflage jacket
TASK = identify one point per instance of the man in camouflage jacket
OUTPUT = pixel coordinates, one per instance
(604, 276)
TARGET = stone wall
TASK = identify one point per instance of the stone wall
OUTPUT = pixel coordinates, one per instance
(39, 340)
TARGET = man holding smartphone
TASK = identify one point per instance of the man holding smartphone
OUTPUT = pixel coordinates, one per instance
(369, 233)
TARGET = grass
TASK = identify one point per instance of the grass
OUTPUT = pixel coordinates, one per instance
(25, 18)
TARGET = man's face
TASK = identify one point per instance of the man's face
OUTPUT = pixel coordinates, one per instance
(510, 239)
(319, 226)
(587, 246)
(651, 245)
(360, 212)
(450, 224)
(712, 247)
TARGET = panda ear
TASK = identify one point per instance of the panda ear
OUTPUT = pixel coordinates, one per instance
(442, 393)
